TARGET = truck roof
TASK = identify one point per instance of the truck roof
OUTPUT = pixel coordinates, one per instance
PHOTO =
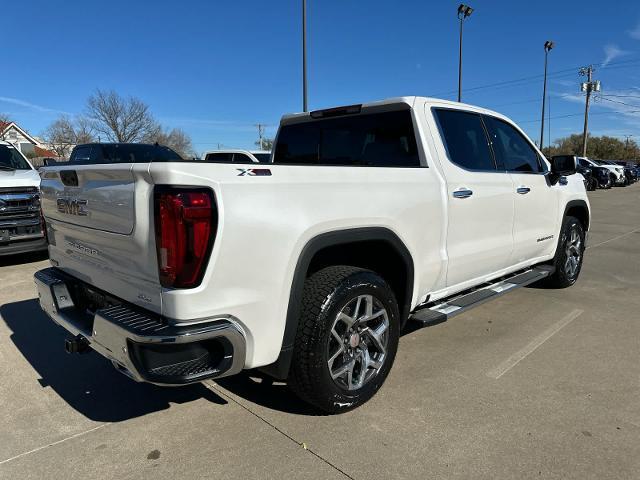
(392, 103)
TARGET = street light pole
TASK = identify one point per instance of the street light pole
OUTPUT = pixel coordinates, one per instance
(548, 45)
(304, 56)
(463, 12)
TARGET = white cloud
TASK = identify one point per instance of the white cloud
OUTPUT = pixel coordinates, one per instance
(635, 33)
(612, 52)
(31, 106)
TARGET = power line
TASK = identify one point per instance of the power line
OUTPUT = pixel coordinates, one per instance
(582, 113)
(600, 97)
(567, 72)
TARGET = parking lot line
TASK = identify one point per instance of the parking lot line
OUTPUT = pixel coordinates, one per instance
(615, 238)
(79, 434)
(521, 354)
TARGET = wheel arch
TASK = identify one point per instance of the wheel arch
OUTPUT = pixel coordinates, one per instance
(347, 247)
(580, 210)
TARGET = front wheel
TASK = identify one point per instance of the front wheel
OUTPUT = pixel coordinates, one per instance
(347, 338)
(569, 254)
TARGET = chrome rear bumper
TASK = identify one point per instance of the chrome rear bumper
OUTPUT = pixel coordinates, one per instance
(141, 344)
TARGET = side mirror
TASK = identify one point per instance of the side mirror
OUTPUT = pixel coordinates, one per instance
(47, 162)
(563, 165)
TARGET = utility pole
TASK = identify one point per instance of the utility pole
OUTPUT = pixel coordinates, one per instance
(304, 56)
(626, 146)
(261, 128)
(548, 45)
(588, 87)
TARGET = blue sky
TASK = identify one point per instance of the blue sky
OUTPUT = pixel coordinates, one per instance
(217, 68)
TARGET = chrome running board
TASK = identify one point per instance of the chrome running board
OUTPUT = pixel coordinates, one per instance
(444, 309)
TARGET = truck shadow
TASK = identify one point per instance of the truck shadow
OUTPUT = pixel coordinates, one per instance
(23, 258)
(262, 390)
(88, 383)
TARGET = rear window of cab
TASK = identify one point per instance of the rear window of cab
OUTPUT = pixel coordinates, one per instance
(377, 139)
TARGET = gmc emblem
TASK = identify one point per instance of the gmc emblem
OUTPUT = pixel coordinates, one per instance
(73, 206)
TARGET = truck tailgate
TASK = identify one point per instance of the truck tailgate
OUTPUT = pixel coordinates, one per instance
(100, 228)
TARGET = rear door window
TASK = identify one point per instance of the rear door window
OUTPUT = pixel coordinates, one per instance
(376, 139)
(511, 148)
(466, 140)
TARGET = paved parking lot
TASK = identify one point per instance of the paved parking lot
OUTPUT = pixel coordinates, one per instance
(536, 384)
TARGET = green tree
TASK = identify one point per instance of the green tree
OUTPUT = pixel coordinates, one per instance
(603, 147)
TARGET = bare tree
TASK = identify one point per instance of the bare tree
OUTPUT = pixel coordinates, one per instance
(264, 143)
(64, 133)
(119, 119)
(176, 139)
(4, 118)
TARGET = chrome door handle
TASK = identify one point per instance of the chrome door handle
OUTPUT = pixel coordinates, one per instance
(464, 193)
(523, 190)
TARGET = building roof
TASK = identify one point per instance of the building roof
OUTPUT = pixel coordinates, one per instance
(5, 126)
(43, 152)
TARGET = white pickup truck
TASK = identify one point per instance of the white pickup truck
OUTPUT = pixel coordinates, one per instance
(20, 220)
(308, 267)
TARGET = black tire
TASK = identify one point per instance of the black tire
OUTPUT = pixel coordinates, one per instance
(566, 271)
(593, 184)
(612, 178)
(327, 293)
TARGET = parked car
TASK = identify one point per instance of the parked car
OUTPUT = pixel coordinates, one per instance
(238, 156)
(618, 176)
(309, 267)
(20, 220)
(590, 180)
(602, 175)
(629, 171)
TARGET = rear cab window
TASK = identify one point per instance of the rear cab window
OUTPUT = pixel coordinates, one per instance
(385, 139)
(102, 153)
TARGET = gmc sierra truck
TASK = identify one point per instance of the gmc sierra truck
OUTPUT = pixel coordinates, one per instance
(307, 267)
(20, 220)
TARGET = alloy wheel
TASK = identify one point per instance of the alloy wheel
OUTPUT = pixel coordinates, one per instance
(357, 345)
(573, 250)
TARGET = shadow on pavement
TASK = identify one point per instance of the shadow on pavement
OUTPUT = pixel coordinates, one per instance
(88, 382)
(22, 258)
(264, 391)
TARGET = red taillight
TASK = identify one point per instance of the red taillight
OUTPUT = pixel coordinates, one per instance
(185, 229)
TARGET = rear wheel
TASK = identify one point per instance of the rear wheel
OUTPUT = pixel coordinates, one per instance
(569, 254)
(347, 338)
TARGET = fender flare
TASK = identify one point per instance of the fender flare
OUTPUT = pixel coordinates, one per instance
(580, 204)
(280, 368)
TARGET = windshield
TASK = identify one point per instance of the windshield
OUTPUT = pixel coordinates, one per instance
(11, 159)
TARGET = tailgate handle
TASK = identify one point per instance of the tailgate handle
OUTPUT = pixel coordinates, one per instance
(69, 178)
